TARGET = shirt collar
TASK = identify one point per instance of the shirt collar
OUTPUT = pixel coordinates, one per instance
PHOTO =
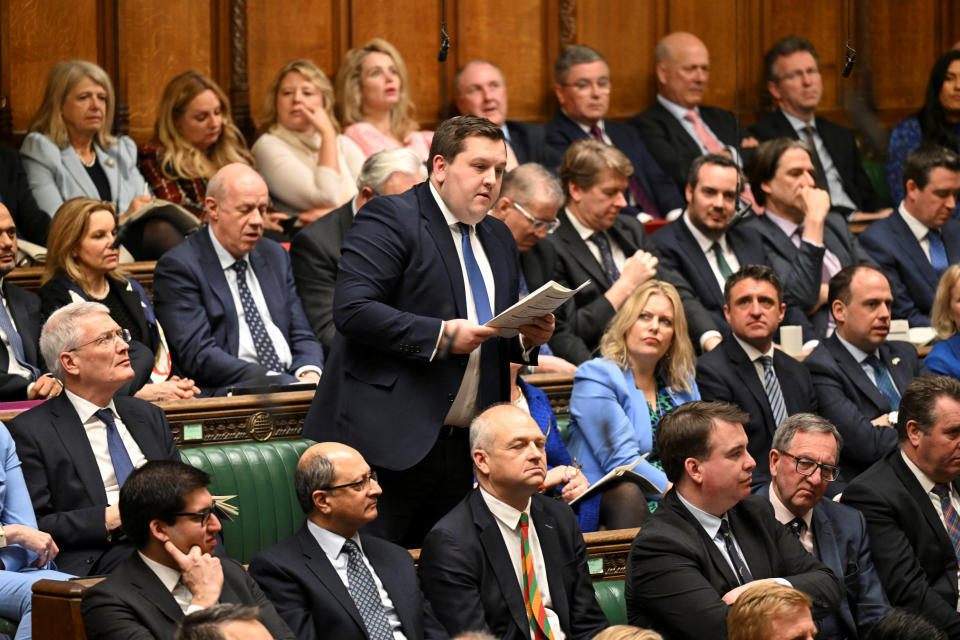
(784, 515)
(169, 577)
(918, 229)
(709, 522)
(330, 542)
(588, 128)
(752, 352)
(789, 227)
(584, 231)
(925, 481)
(353, 206)
(84, 408)
(223, 256)
(858, 354)
(506, 132)
(703, 241)
(677, 111)
(503, 512)
(797, 123)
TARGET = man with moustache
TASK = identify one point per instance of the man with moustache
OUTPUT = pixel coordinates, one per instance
(507, 559)
(709, 540)
(803, 462)
(482, 91)
(22, 372)
(77, 449)
(412, 363)
(338, 492)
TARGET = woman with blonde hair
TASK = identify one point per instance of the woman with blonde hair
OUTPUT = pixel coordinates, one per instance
(944, 358)
(374, 101)
(82, 265)
(309, 167)
(194, 136)
(646, 369)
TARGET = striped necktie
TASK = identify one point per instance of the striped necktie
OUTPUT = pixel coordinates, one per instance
(772, 387)
(536, 612)
(950, 517)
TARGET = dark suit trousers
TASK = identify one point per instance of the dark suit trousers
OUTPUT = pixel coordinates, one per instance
(414, 499)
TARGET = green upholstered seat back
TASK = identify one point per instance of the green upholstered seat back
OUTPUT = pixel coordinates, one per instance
(610, 596)
(878, 177)
(261, 475)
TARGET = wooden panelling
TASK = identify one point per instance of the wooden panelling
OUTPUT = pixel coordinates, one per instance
(41, 34)
(159, 40)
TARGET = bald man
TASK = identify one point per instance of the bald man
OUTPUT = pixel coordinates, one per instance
(677, 128)
(322, 580)
(226, 296)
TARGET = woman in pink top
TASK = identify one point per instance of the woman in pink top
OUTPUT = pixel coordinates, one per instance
(373, 101)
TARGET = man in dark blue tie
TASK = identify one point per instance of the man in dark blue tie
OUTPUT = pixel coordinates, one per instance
(412, 364)
(77, 449)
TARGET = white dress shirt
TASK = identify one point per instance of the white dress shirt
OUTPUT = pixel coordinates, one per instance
(508, 521)
(784, 516)
(706, 246)
(246, 350)
(332, 545)
(619, 257)
(170, 578)
(13, 366)
(96, 432)
(919, 230)
(838, 196)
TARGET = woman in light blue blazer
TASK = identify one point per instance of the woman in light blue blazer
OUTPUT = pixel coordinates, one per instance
(646, 369)
(944, 358)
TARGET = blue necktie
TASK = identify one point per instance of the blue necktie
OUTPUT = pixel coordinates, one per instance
(122, 465)
(938, 254)
(266, 353)
(884, 383)
(606, 256)
(365, 594)
(15, 342)
(480, 299)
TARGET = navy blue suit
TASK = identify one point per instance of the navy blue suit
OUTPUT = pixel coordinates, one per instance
(849, 399)
(196, 309)
(24, 309)
(562, 132)
(296, 575)
(528, 141)
(912, 279)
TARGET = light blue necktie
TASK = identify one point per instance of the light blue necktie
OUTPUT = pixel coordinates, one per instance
(15, 342)
(884, 383)
(122, 465)
(480, 299)
(938, 254)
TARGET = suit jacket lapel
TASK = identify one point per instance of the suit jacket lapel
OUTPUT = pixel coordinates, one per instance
(271, 287)
(550, 547)
(152, 590)
(775, 235)
(577, 248)
(720, 564)
(112, 170)
(698, 261)
(910, 483)
(744, 245)
(213, 272)
(393, 582)
(826, 542)
(24, 324)
(73, 165)
(436, 225)
(747, 372)
(909, 248)
(852, 369)
(677, 132)
(318, 563)
(140, 429)
(74, 438)
(752, 545)
(498, 259)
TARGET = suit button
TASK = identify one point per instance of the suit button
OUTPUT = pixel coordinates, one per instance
(451, 397)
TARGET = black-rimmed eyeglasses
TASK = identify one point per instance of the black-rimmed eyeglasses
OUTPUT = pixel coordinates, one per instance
(808, 467)
(106, 339)
(538, 224)
(359, 484)
(204, 515)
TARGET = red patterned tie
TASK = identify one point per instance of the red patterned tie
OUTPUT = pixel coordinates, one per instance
(950, 516)
(536, 612)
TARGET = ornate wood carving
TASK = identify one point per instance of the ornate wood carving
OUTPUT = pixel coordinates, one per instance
(239, 89)
(568, 22)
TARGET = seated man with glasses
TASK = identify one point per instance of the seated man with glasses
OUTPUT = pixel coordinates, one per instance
(171, 518)
(803, 462)
(327, 580)
(77, 449)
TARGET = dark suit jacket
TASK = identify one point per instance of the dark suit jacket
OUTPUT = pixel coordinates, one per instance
(132, 604)
(562, 132)
(849, 400)
(297, 577)
(801, 270)
(24, 307)
(676, 576)
(467, 575)
(196, 309)
(842, 147)
(727, 374)
(399, 278)
(582, 321)
(674, 148)
(909, 544)
(315, 254)
(528, 141)
(65, 484)
(32, 222)
(912, 279)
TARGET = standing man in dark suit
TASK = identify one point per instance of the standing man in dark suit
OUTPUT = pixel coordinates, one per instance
(77, 449)
(317, 578)
(171, 518)
(677, 128)
(921, 239)
(33, 223)
(507, 559)
(22, 370)
(793, 79)
(702, 245)
(746, 369)
(583, 87)
(596, 241)
(709, 540)
(412, 363)
(857, 373)
(315, 251)
(803, 462)
(805, 245)
(482, 92)
(227, 299)
(911, 498)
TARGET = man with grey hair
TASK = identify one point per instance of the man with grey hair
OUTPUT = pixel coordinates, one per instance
(227, 299)
(315, 251)
(582, 85)
(506, 528)
(803, 461)
(77, 449)
(328, 580)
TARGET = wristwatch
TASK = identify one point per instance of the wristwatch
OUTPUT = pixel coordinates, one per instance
(3, 537)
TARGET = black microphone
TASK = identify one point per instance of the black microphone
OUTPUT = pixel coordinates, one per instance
(851, 58)
(444, 42)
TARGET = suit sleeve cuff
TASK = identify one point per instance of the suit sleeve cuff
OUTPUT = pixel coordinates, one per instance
(307, 369)
(707, 335)
(436, 347)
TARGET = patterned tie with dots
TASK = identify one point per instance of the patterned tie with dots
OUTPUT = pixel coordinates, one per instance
(266, 353)
(365, 595)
